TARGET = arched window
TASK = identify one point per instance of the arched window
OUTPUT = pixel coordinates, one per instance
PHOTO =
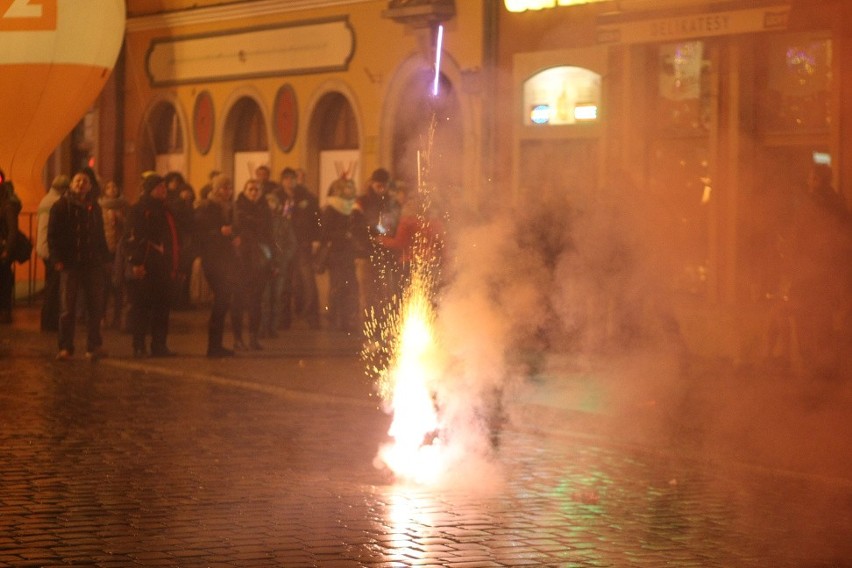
(161, 147)
(248, 129)
(338, 129)
(333, 141)
(562, 95)
(245, 142)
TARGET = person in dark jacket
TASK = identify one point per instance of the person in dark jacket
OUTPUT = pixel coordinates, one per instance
(380, 213)
(153, 255)
(341, 225)
(280, 278)
(253, 226)
(10, 208)
(78, 251)
(217, 247)
(183, 209)
(302, 207)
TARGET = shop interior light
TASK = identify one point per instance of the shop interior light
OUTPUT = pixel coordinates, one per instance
(540, 114)
(586, 112)
(822, 158)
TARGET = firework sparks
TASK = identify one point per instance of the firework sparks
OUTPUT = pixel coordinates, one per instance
(406, 356)
(409, 384)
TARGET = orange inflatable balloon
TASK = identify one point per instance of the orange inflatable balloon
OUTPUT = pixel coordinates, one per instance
(55, 57)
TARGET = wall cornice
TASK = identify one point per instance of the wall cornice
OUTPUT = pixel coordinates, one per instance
(227, 13)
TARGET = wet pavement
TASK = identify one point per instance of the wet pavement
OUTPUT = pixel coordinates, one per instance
(267, 460)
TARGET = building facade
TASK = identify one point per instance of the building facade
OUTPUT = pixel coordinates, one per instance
(697, 119)
(338, 87)
(702, 118)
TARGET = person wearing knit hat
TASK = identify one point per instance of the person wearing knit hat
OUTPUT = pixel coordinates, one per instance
(150, 180)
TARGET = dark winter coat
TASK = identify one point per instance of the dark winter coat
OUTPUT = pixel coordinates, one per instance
(304, 212)
(379, 210)
(340, 230)
(152, 239)
(10, 208)
(253, 225)
(218, 256)
(75, 234)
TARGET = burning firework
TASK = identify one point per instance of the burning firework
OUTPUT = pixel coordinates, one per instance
(408, 386)
(405, 352)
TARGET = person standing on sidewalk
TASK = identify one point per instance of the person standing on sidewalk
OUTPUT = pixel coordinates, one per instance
(253, 225)
(115, 209)
(50, 305)
(78, 251)
(280, 277)
(10, 208)
(302, 207)
(341, 226)
(217, 244)
(153, 257)
(380, 213)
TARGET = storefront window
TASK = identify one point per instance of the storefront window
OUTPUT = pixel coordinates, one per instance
(684, 99)
(562, 95)
(680, 182)
(796, 87)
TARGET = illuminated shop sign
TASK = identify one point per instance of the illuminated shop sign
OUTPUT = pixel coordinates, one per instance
(524, 5)
(617, 29)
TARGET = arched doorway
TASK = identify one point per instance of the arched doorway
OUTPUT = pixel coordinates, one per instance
(245, 144)
(162, 147)
(333, 141)
(411, 125)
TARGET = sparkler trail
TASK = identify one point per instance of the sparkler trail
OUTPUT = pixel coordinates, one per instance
(438, 48)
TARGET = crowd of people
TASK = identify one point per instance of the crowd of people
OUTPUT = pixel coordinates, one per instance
(113, 264)
(125, 266)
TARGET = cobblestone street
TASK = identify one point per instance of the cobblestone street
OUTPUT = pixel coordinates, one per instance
(270, 463)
